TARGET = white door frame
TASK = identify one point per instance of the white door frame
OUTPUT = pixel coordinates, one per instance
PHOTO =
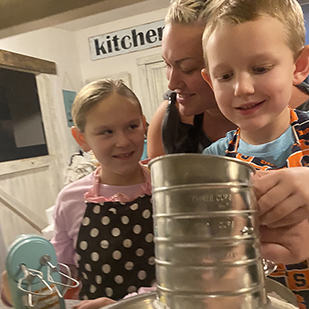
(154, 83)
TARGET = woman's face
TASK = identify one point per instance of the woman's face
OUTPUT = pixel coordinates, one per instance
(183, 55)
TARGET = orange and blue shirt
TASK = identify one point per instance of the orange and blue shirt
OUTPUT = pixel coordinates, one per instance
(294, 151)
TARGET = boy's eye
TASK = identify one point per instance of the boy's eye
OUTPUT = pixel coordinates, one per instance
(262, 69)
(106, 132)
(224, 77)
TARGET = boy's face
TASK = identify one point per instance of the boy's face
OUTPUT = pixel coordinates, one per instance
(114, 131)
(251, 71)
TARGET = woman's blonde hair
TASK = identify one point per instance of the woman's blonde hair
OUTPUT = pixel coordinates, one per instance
(93, 93)
(288, 12)
(186, 11)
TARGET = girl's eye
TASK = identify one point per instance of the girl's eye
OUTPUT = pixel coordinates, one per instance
(133, 126)
(262, 69)
(224, 77)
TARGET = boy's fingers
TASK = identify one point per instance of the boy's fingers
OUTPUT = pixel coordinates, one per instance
(294, 217)
(272, 201)
(273, 210)
(263, 182)
(287, 245)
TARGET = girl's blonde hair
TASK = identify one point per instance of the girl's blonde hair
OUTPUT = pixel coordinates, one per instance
(186, 11)
(93, 93)
(288, 12)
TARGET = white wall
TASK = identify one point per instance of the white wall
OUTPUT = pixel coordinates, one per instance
(117, 64)
(70, 51)
(59, 46)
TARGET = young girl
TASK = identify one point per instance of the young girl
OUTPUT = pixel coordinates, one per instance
(103, 222)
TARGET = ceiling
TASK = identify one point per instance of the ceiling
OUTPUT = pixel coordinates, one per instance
(18, 16)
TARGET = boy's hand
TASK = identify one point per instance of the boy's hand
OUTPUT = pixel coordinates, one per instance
(283, 196)
(287, 244)
(94, 303)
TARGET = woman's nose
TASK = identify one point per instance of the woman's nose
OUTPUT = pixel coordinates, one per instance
(243, 86)
(174, 80)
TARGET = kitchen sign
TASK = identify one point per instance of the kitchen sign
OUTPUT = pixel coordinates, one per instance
(126, 41)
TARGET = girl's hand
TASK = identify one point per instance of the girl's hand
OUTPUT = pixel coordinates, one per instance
(94, 303)
(6, 296)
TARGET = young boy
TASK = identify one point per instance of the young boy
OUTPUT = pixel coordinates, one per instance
(254, 54)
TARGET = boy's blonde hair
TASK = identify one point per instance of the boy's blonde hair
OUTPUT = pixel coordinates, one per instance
(186, 11)
(288, 12)
(93, 93)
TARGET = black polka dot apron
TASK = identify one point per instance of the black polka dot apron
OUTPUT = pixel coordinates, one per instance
(115, 248)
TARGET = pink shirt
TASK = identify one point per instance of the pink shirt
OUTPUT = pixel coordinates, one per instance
(71, 206)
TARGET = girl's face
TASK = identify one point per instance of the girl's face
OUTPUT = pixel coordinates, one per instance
(252, 72)
(182, 53)
(114, 131)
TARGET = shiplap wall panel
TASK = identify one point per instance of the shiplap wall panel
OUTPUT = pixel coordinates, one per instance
(34, 189)
(29, 186)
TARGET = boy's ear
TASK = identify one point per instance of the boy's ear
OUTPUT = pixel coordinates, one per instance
(301, 66)
(206, 77)
(80, 139)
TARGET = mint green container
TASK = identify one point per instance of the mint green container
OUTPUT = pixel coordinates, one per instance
(25, 253)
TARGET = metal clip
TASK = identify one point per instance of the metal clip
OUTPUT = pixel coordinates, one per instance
(45, 261)
(247, 231)
(29, 276)
(268, 266)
